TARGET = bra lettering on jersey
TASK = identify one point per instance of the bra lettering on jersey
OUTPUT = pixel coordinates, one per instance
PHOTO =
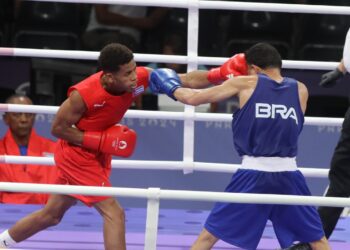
(266, 110)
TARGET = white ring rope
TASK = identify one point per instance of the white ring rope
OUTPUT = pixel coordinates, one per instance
(224, 5)
(164, 115)
(177, 194)
(201, 60)
(155, 165)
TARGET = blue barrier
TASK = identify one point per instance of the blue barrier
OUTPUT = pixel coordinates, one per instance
(163, 140)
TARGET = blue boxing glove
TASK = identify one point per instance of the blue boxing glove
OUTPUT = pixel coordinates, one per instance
(164, 81)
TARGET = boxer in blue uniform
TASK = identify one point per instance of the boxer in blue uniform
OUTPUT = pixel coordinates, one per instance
(265, 133)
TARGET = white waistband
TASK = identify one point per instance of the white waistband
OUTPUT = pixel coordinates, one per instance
(269, 164)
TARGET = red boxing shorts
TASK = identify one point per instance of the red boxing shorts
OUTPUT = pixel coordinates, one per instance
(79, 166)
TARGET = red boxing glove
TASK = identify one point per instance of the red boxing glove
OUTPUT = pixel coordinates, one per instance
(235, 66)
(117, 140)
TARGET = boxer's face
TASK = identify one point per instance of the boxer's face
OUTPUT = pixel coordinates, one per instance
(124, 80)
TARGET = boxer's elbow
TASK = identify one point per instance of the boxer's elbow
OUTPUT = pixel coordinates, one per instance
(56, 130)
(59, 129)
(189, 96)
(190, 100)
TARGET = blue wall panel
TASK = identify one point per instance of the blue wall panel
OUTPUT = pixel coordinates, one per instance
(163, 140)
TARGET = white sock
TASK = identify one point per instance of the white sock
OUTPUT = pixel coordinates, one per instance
(6, 240)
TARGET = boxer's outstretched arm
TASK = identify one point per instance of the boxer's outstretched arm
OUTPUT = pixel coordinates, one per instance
(197, 79)
(217, 93)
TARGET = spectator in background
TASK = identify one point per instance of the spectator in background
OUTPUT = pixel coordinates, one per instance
(119, 23)
(21, 139)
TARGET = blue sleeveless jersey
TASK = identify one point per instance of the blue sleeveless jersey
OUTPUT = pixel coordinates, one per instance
(270, 122)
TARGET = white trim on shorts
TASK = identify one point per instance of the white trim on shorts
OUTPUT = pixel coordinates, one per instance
(269, 164)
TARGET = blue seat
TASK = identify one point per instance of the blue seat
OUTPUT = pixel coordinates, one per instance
(321, 52)
(46, 40)
(47, 25)
(2, 42)
(48, 16)
(322, 37)
(254, 27)
(239, 45)
(6, 21)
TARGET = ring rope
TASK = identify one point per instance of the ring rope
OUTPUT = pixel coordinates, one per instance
(225, 5)
(177, 194)
(164, 115)
(201, 60)
(156, 165)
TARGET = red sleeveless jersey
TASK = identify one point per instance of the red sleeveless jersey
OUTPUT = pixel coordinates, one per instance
(104, 109)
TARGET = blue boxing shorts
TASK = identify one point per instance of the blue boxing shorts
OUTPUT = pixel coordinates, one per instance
(242, 225)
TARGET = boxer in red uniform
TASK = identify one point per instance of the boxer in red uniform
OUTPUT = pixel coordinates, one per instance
(85, 125)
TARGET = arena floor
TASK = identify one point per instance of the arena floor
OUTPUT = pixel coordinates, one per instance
(81, 228)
